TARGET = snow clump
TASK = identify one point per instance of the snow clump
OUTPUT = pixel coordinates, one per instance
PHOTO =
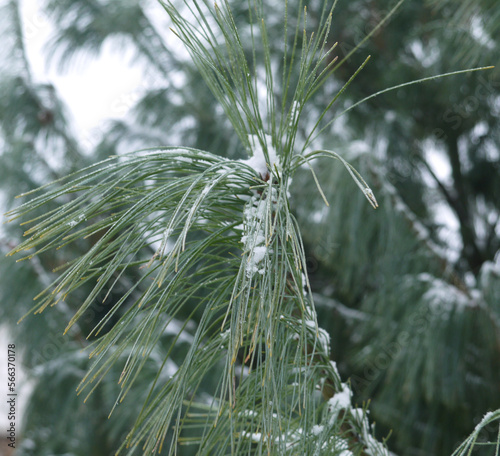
(254, 238)
(258, 159)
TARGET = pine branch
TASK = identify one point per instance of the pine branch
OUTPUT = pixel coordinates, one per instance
(200, 210)
(214, 242)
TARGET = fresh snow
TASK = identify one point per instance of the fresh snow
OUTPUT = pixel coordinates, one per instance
(359, 415)
(323, 336)
(346, 453)
(340, 401)
(334, 367)
(294, 113)
(258, 159)
(253, 436)
(254, 238)
(487, 417)
(259, 253)
(443, 298)
(374, 447)
(317, 429)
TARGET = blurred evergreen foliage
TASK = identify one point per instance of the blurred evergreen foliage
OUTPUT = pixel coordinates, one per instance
(409, 293)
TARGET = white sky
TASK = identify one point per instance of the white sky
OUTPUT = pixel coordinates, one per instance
(94, 89)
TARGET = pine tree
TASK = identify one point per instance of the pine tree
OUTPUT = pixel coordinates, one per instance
(436, 303)
(412, 329)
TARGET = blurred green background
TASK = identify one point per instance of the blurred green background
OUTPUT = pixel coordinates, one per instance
(410, 293)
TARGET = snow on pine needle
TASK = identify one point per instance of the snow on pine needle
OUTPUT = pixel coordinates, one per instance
(216, 240)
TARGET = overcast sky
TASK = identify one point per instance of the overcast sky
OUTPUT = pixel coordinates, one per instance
(93, 89)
